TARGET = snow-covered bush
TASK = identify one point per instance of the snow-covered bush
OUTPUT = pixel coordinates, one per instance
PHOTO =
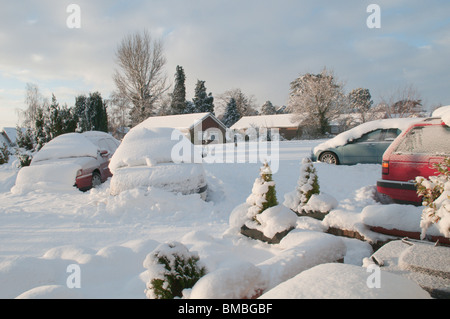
(172, 268)
(436, 197)
(307, 186)
(263, 193)
(4, 154)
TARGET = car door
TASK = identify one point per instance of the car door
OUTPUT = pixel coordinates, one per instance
(364, 149)
(386, 138)
(103, 158)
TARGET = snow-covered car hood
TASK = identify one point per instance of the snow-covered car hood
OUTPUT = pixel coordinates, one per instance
(52, 174)
(358, 131)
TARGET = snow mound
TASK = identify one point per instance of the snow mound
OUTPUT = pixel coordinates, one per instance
(50, 292)
(322, 202)
(235, 281)
(396, 216)
(301, 250)
(342, 281)
(358, 131)
(274, 220)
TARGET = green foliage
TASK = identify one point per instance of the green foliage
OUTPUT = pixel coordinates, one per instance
(271, 195)
(204, 102)
(178, 104)
(231, 115)
(178, 269)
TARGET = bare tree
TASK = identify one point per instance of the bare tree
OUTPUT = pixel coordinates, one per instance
(35, 101)
(140, 79)
(404, 102)
(318, 99)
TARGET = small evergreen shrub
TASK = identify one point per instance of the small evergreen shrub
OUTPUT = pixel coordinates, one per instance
(173, 268)
(263, 193)
(308, 182)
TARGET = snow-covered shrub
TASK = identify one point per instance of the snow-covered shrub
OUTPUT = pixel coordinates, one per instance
(172, 268)
(307, 186)
(436, 197)
(263, 193)
(4, 154)
(308, 183)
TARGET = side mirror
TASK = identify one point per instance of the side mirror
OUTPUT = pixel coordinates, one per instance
(104, 153)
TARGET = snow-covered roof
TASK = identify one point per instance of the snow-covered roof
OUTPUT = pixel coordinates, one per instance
(10, 133)
(181, 122)
(276, 120)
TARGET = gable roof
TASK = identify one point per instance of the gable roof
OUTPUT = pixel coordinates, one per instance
(181, 122)
(276, 120)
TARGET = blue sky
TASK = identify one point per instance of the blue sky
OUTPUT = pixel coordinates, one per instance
(257, 46)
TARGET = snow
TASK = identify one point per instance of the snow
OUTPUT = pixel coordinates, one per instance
(358, 131)
(340, 281)
(444, 113)
(66, 146)
(43, 233)
(268, 121)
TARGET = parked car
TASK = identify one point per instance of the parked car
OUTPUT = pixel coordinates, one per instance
(73, 159)
(413, 154)
(150, 157)
(364, 143)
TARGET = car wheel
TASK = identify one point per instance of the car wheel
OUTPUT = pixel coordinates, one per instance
(329, 158)
(96, 179)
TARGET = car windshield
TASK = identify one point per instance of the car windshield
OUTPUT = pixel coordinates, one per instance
(432, 140)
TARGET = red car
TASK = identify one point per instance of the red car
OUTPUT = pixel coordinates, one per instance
(413, 154)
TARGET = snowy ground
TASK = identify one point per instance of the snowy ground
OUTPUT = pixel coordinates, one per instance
(43, 232)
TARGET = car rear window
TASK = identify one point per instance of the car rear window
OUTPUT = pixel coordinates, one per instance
(432, 140)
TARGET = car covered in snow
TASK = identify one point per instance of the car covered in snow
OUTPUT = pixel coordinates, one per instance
(157, 157)
(364, 143)
(413, 154)
(72, 159)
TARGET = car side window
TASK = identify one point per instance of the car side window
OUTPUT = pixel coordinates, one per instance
(391, 134)
(374, 136)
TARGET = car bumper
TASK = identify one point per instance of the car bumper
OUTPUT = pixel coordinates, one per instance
(399, 192)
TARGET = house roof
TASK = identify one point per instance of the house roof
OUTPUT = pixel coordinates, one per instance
(276, 120)
(181, 122)
(10, 134)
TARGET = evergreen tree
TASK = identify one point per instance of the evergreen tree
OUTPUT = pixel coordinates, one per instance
(231, 115)
(268, 109)
(55, 123)
(178, 104)
(308, 183)
(204, 102)
(263, 193)
(91, 113)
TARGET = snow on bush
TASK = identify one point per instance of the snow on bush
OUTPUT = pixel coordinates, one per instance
(263, 193)
(436, 197)
(307, 196)
(172, 268)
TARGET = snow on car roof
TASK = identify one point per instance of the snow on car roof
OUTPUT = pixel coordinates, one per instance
(444, 113)
(358, 131)
(148, 146)
(66, 146)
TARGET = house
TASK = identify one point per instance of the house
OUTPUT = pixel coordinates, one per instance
(8, 136)
(201, 128)
(288, 125)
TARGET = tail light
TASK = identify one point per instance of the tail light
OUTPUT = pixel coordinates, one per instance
(385, 167)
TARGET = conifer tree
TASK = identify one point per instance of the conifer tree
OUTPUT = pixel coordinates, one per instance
(178, 104)
(308, 183)
(268, 109)
(231, 115)
(204, 102)
(263, 193)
